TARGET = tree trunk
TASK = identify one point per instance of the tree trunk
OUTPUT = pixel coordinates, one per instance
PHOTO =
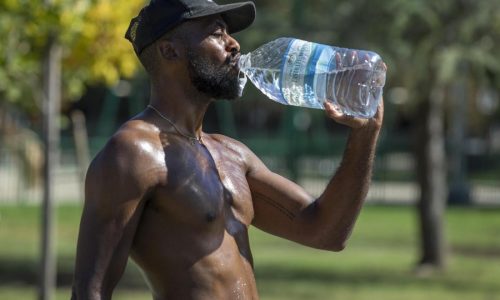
(431, 172)
(51, 108)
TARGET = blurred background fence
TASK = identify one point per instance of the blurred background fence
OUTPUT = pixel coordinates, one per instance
(307, 155)
(442, 53)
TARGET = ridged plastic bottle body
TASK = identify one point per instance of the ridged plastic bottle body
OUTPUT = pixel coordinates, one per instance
(300, 73)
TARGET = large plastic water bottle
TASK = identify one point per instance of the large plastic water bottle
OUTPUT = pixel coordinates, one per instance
(300, 73)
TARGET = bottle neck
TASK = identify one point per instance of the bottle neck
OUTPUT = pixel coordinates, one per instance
(245, 62)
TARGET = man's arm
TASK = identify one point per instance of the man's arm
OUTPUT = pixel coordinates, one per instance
(115, 191)
(284, 209)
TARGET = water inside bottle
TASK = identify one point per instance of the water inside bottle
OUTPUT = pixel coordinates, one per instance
(355, 87)
(336, 87)
(357, 90)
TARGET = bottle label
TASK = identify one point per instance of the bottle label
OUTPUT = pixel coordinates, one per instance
(304, 72)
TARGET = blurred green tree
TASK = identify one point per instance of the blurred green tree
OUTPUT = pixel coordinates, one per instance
(428, 43)
(91, 34)
(431, 48)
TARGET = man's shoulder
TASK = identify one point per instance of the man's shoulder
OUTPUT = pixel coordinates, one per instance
(228, 143)
(133, 146)
(132, 137)
(125, 168)
(233, 146)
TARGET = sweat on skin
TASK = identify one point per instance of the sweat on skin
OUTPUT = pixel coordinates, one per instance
(182, 210)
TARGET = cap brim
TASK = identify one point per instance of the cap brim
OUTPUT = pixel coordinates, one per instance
(237, 16)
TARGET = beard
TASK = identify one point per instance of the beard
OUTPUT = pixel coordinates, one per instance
(216, 81)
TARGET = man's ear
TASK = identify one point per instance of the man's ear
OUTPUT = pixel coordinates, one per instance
(168, 49)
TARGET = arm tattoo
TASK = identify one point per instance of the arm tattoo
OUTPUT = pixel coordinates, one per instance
(276, 205)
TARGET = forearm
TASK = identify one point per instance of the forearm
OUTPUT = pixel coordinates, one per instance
(91, 282)
(341, 202)
(79, 292)
(284, 209)
(102, 253)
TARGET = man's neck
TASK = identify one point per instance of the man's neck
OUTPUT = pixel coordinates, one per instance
(185, 107)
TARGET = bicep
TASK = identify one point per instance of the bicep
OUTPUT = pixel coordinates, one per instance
(281, 207)
(113, 205)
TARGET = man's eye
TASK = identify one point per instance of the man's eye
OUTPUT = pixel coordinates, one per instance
(218, 34)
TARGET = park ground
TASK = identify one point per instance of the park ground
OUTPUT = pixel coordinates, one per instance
(378, 263)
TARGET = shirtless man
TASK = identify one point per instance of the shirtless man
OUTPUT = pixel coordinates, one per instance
(180, 201)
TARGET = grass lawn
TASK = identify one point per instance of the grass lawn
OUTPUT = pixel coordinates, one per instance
(377, 264)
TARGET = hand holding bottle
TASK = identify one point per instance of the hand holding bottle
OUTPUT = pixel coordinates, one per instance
(336, 114)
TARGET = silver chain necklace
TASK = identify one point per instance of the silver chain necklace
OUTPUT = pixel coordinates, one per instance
(192, 139)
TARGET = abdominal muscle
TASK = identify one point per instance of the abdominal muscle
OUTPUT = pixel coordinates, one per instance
(193, 261)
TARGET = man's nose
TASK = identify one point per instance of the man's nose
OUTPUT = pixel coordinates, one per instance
(232, 45)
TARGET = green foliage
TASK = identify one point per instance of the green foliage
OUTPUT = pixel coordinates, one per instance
(422, 41)
(90, 33)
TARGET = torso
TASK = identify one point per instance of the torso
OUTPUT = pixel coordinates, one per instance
(192, 239)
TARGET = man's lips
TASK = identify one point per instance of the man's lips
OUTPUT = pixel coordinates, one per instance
(234, 60)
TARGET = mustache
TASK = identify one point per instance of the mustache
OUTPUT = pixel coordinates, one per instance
(233, 59)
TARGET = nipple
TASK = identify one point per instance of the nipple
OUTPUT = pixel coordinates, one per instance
(210, 217)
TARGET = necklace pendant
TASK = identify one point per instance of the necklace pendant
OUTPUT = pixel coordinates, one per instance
(193, 142)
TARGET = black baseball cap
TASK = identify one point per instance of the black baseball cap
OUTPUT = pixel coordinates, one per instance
(160, 16)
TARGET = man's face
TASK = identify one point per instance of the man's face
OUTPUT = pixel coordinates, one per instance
(212, 65)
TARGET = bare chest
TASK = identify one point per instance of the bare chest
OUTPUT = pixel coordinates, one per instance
(205, 185)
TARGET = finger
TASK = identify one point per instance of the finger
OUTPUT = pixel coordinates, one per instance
(338, 60)
(353, 58)
(332, 110)
(380, 109)
(384, 66)
(366, 59)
